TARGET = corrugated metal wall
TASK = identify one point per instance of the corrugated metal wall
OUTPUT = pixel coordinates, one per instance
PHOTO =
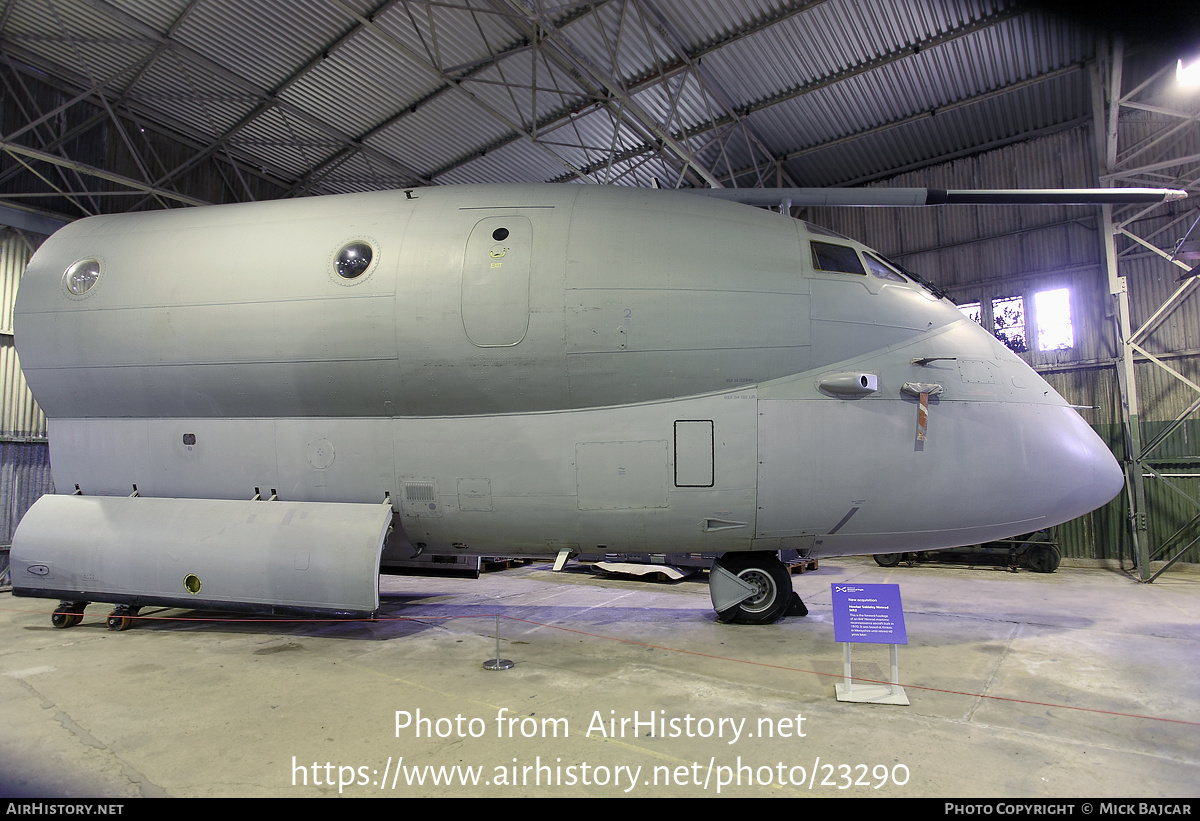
(19, 414)
(24, 454)
(985, 252)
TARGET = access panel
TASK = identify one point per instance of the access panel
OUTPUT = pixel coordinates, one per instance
(495, 282)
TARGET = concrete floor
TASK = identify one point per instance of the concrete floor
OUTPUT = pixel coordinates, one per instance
(1077, 684)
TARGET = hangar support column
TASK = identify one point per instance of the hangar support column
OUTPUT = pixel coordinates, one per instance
(1140, 139)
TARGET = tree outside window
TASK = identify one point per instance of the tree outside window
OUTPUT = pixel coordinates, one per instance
(1008, 316)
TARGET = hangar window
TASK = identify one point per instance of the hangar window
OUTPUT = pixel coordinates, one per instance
(353, 260)
(81, 276)
(837, 258)
(1055, 331)
(881, 269)
(1008, 319)
(973, 311)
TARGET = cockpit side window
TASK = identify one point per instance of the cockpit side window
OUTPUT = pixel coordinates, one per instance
(881, 269)
(841, 259)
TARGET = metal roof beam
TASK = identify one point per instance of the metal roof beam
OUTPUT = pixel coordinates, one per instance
(571, 57)
(924, 115)
(854, 71)
(565, 114)
(62, 173)
(265, 98)
(368, 24)
(270, 100)
(16, 150)
(452, 75)
(596, 87)
(1131, 173)
(174, 132)
(710, 86)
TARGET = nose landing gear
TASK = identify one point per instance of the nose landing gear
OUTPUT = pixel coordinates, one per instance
(752, 588)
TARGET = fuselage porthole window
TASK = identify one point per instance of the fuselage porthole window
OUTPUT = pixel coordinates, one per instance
(841, 259)
(353, 260)
(81, 276)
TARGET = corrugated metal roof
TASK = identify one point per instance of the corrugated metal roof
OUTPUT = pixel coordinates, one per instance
(383, 84)
(263, 41)
(840, 91)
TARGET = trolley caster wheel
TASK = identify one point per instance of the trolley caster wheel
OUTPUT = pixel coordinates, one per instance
(121, 618)
(67, 614)
(1043, 558)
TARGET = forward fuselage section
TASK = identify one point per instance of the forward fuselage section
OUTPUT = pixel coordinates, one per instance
(531, 368)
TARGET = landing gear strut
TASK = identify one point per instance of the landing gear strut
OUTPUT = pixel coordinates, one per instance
(752, 588)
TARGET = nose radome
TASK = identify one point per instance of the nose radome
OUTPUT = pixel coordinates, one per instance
(1080, 465)
(1070, 471)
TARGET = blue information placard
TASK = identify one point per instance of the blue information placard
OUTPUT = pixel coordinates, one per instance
(868, 614)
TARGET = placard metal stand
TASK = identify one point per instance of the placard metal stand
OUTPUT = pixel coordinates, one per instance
(870, 614)
(872, 693)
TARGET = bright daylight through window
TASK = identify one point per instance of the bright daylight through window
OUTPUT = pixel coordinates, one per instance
(1055, 331)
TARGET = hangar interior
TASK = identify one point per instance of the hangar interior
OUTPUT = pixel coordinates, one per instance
(126, 106)
(110, 106)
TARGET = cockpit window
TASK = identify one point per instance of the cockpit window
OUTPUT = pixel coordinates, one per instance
(881, 269)
(839, 258)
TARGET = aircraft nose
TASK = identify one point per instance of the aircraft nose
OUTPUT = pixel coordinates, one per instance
(1079, 472)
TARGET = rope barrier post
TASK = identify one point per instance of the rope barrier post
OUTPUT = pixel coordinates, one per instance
(497, 663)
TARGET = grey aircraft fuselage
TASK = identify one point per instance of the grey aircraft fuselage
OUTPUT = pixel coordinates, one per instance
(532, 369)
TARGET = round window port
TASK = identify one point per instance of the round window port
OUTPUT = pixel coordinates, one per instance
(81, 276)
(353, 260)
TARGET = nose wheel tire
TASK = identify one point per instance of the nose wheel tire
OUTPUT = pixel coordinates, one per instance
(772, 585)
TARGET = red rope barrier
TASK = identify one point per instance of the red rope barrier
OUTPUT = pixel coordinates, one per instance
(275, 620)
